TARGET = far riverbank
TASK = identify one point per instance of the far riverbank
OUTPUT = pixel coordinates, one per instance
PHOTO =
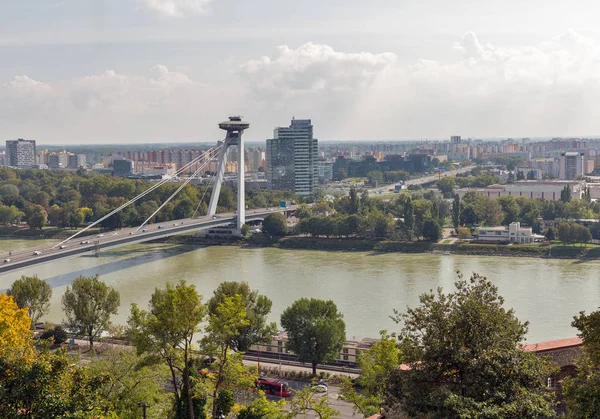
(591, 252)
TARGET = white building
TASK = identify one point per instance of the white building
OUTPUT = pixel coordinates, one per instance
(572, 165)
(549, 190)
(21, 153)
(514, 233)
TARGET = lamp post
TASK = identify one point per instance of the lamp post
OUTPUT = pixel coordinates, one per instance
(144, 406)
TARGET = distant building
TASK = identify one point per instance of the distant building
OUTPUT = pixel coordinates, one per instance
(75, 161)
(549, 190)
(292, 158)
(325, 171)
(21, 153)
(572, 165)
(122, 167)
(57, 160)
(514, 233)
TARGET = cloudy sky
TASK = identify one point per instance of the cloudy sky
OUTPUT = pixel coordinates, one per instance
(125, 71)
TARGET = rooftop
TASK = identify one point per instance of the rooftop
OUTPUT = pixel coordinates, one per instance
(553, 345)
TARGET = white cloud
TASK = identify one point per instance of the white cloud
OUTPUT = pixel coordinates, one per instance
(545, 89)
(315, 67)
(175, 7)
(111, 106)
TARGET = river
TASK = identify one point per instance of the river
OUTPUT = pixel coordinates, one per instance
(366, 287)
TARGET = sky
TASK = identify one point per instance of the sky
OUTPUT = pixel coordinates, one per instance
(79, 72)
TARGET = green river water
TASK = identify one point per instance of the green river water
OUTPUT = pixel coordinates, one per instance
(365, 286)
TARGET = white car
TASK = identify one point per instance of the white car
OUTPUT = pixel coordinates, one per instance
(62, 246)
(144, 230)
(319, 388)
(6, 260)
(115, 234)
(100, 235)
(37, 253)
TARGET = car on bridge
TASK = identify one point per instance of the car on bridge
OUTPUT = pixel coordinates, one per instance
(62, 246)
(37, 253)
(6, 260)
(159, 227)
(84, 242)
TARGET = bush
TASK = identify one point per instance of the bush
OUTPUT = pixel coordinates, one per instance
(58, 333)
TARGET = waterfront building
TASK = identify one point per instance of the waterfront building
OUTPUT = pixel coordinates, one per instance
(292, 157)
(21, 153)
(513, 233)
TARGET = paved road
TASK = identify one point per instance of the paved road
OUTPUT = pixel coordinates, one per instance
(79, 245)
(385, 190)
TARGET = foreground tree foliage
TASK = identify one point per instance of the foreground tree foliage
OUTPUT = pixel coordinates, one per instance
(582, 392)
(257, 308)
(32, 293)
(129, 382)
(164, 334)
(464, 360)
(15, 332)
(88, 305)
(275, 225)
(377, 366)
(316, 330)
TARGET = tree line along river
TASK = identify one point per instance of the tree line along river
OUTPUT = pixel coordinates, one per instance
(366, 287)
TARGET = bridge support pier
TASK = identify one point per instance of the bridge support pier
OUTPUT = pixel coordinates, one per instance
(234, 127)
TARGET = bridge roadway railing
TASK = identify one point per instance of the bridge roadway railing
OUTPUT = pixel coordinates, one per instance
(188, 225)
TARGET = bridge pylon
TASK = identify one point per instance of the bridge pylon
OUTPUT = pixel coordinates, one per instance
(234, 127)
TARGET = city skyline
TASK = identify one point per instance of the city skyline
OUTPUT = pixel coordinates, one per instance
(161, 71)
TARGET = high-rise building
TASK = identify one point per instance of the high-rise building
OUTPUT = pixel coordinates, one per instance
(571, 165)
(75, 161)
(122, 167)
(292, 158)
(21, 153)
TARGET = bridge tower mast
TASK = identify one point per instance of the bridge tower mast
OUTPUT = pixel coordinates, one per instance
(234, 127)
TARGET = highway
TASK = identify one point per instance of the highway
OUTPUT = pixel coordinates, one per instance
(125, 236)
(420, 181)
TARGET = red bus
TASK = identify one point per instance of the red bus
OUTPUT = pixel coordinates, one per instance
(275, 388)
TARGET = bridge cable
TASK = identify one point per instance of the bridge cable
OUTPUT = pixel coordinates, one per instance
(146, 192)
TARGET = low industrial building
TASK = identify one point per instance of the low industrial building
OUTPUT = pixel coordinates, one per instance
(549, 190)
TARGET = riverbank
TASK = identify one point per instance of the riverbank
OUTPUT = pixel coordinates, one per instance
(591, 252)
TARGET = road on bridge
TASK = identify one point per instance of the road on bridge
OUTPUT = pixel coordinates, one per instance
(125, 236)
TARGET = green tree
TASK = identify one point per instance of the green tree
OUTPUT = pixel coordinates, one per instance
(431, 230)
(36, 216)
(341, 174)
(375, 178)
(223, 328)
(316, 330)
(377, 365)
(55, 215)
(354, 202)
(129, 381)
(550, 235)
(510, 208)
(306, 401)
(245, 230)
(257, 307)
(10, 214)
(88, 304)
(456, 211)
(32, 293)
(566, 194)
(446, 185)
(165, 333)
(303, 212)
(464, 360)
(261, 408)
(582, 391)
(275, 225)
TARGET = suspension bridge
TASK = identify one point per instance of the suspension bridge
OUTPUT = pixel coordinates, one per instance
(76, 245)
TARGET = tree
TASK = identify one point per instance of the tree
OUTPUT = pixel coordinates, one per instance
(446, 185)
(88, 305)
(456, 211)
(566, 194)
(32, 293)
(463, 357)
(15, 332)
(303, 211)
(55, 215)
(51, 385)
(10, 214)
(275, 225)
(165, 332)
(375, 178)
(341, 174)
(306, 401)
(582, 392)
(36, 216)
(354, 202)
(510, 208)
(223, 328)
(550, 235)
(129, 382)
(257, 307)
(377, 364)
(520, 175)
(431, 230)
(316, 330)
(245, 230)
